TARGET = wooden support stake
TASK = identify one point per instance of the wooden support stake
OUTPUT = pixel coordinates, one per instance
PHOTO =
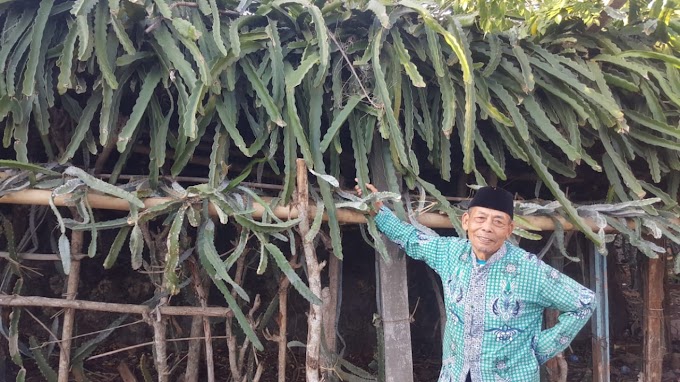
(653, 320)
(313, 275)
(600, 319)
(392, 294)
(70, 314)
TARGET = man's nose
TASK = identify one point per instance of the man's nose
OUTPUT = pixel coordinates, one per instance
(487, 226)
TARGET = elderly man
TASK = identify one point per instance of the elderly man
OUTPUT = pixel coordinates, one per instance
(494, 292)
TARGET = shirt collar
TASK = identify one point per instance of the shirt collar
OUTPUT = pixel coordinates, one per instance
(494, 258)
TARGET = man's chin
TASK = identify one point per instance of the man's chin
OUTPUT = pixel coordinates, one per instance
(487, 251)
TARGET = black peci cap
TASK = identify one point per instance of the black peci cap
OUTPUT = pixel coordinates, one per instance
(494, 198)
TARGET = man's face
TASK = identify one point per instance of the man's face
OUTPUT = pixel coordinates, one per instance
(487, 229)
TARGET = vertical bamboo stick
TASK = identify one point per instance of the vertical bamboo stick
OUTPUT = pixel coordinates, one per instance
(203, 298)
(313, 275)
(282, 338)
(329, 297)
(157, 245)
(160, 344)
(237, 354)
(194, 351)
(334, 285)
(70, 314)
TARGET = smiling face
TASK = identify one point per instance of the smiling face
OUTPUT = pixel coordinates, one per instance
(487, 229)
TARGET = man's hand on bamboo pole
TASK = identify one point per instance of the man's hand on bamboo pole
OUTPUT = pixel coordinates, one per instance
(377, 205)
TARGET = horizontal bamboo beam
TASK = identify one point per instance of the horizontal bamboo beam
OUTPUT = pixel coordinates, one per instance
(40, 256)
(46, 302)
(345, 216)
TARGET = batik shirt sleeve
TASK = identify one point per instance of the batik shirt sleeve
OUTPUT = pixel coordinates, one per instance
(576, 303)
(415, 243)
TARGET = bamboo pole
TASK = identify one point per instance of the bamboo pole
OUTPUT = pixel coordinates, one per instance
(69, 321)
(160, 346)
(331, 308)
(70, 314)
(40, 256)
(313, 275)
(282, 338)
(194, 351)
(345, 216)
(46, 302)
(600, 320)
(202, 295)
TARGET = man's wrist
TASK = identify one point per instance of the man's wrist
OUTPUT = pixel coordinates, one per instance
(375, 210)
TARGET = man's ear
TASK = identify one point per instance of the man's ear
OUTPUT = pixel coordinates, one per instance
(465, 220)
(511, 227)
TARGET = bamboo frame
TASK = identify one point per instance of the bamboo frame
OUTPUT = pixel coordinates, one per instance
(345, 216)
(98, 201)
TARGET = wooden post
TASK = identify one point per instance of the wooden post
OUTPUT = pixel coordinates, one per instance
(330, 319)
(313, 275)
(392, 294)
(329, 297)
(653, 320)
(557, 366)
(600, 319)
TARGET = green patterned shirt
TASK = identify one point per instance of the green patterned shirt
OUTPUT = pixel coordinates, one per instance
(494, 311)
